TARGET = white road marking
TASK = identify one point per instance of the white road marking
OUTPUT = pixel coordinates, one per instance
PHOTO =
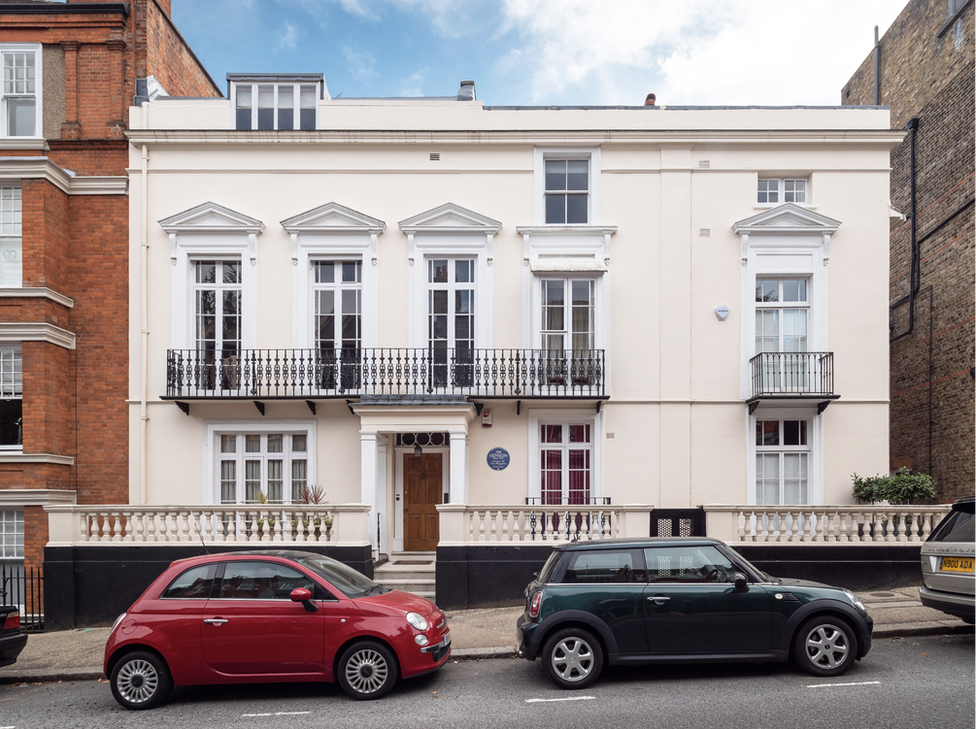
(832, 685)
(276, 713)
(571, 698)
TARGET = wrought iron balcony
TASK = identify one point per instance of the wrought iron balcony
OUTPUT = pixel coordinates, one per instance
(793, 374)
(313, 373)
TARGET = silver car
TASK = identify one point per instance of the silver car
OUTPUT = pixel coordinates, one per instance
(948, 580)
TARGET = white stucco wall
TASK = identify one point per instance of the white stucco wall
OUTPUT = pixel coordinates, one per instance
(675, 431)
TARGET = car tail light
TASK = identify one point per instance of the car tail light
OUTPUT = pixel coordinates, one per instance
(12, 622)
(535, 604)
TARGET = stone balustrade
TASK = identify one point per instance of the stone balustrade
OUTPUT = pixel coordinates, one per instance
(471, 524)
(847, 524)
(258, 524)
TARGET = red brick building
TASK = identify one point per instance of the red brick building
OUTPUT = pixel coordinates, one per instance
(70, 72)
(925, 74)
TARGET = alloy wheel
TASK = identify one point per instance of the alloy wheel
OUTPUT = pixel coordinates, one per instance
(366, 671)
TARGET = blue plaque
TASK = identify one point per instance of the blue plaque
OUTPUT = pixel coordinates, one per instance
(498, 459)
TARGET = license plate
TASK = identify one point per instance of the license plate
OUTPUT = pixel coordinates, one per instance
(957, 564)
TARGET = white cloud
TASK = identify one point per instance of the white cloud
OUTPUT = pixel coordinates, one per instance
(288, 37)
(413, 84)
(696, 51)
(361, 64)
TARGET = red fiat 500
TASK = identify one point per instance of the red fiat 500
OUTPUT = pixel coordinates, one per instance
(271, 616)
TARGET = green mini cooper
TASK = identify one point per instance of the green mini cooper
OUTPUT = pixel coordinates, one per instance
(681, 600)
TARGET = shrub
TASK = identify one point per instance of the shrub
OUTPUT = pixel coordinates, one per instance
(902, 488)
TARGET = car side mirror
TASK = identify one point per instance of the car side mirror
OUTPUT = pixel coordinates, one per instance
(741, 582)
(304, 596)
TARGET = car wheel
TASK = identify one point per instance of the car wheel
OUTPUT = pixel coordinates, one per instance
(141, 680)
(824, 646)
(572, 658)
(367, 670)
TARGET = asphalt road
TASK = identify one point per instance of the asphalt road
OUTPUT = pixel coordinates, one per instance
(910, 683)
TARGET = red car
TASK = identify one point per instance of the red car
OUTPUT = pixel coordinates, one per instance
(271, 616)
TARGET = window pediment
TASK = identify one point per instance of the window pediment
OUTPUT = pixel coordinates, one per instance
(450, 218)
(211, 218)
(333, 218)
(787, 219)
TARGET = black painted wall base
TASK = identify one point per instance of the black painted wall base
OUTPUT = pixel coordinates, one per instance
(856, 567)
(492, 576)
(486, 576)
(89, 586)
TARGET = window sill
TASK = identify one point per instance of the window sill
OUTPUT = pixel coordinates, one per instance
(769, 206)
(23, 143)
(567, 229)
(21, 457)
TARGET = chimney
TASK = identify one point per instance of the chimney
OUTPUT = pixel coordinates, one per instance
(649, 101)
(466, 92)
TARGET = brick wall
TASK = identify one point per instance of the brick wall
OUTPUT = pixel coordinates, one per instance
(915, 62)
(75, 400)
(930, 77)
(167, 56)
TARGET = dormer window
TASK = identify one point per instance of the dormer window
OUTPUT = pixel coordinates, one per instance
(274, 102)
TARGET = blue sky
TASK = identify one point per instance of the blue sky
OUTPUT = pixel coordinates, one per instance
(547, 52)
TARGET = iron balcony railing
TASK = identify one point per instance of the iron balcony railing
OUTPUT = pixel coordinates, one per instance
(793, 373)
(314, 373)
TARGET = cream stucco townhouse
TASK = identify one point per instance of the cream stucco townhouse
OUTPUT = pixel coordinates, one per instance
(478, 330)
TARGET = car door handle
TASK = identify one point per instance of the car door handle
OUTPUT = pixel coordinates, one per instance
(658, 598)
(216, 621)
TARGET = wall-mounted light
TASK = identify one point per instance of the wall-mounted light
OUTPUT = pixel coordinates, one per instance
(418, 451)
(722, 312)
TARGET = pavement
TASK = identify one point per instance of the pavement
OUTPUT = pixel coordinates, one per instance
(76, 655)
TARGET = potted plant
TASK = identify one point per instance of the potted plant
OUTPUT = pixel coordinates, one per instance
(312, 495)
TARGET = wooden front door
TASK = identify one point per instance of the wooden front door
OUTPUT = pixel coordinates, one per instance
(422, 484)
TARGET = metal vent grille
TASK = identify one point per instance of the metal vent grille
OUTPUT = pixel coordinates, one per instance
(704, 232)
(704, 164)
(435, 156)
(666, 528)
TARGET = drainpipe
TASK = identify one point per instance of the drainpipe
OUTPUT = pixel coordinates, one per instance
(877, 59)
(144, 335)
(915, 274)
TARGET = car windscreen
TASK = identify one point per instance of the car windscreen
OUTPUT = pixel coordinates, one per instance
(342, 577)
(958, 526)
(749, 565)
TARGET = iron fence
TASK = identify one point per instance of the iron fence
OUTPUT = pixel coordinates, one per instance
(23, 587)
(793, 373)
(314, 373)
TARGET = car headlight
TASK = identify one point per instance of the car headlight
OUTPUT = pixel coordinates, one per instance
(416, 620)
(857, 602)
(116, 623)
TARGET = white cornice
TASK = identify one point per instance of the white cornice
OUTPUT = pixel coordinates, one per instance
(37, 458)
(37, 293)
(23, 143)
(887, 138)
(99, 186)
(36, 497)
(42, 332)
(42, 168)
